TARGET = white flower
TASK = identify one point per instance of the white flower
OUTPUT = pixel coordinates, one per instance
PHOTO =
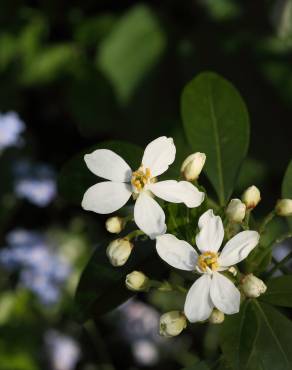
(109, 196)
(137, 281)
(172, 324)
(212, 289)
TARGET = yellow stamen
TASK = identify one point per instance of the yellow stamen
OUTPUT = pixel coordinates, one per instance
(140, 178)
(208, 260)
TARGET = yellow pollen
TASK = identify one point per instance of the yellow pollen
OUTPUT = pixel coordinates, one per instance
(140, 178)
(208, 259)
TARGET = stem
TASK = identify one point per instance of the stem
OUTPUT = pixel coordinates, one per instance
(283, 237)
(134, 234)
(211, 203)
(245, 224)
(98, 342)
(166, 286)
(266, 220)
(280, 264)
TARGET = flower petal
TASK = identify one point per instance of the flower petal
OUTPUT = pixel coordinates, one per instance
(211, 232)
(198, 305)
(108, 165)
(149, 216)
(178, 192)
(158, 155)
(238, 248)
(176, 253)
(225, 296)
(106, 197)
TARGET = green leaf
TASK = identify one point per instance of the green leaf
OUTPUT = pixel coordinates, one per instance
(238, 335)
(279, 291)
(287, 187)
(273, 344)
(102, 286)
(131, 50)
(75, 178)
(198, 366)
(258, 337)
(216, 122)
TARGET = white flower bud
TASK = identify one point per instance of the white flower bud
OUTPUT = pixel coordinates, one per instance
(284, 207)
(172, 323)
(216, 317)
(118, 251)
(137, 281)
(114, 224)
(235, 210)
(251, 197)
(193, 165)
(252, 286)
(233, 270)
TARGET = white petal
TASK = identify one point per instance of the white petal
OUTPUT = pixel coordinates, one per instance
(158, 155)
(149, 216)
(198, 305)
(211, 232)
(106, 197)
(238, 248)
(178, 192)
(108, 165)
(176, 253)
(225, 296)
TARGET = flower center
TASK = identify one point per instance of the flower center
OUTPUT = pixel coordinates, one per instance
(208, 260)
(140, 178)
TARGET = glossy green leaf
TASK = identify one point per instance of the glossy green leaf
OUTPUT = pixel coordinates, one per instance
(102, 286)
(131, 50)
(216, 122)
(287, 187)
(279, 291)
(272, 349)
(75, 178)
(238, 335)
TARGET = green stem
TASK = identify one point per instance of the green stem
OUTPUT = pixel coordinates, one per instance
(99, 344)
(280, 264)
(134, 234)
(266, 220)
(211, 203)
(245, 224)
(283, 237)
(166, 286)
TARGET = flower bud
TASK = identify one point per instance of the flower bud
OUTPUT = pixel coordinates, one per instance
(118, 251)
(114, 224)
(137, 281)
(284, 207)
(233, 270)
(172, 323)
(193, 165)
(251, 197)
(216, 317)
(235, 210)
(252, 286)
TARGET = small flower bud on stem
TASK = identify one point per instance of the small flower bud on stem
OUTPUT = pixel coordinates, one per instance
(118, 251)
(193, 165)
(137, 281)
(252, 286)
(251, 197)
(216, 317)
(284, 207)
(172, 324)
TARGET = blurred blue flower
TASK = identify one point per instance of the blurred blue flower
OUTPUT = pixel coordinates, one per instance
(64, 352)
(11, 126)
(35, 183)
(41, 269)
